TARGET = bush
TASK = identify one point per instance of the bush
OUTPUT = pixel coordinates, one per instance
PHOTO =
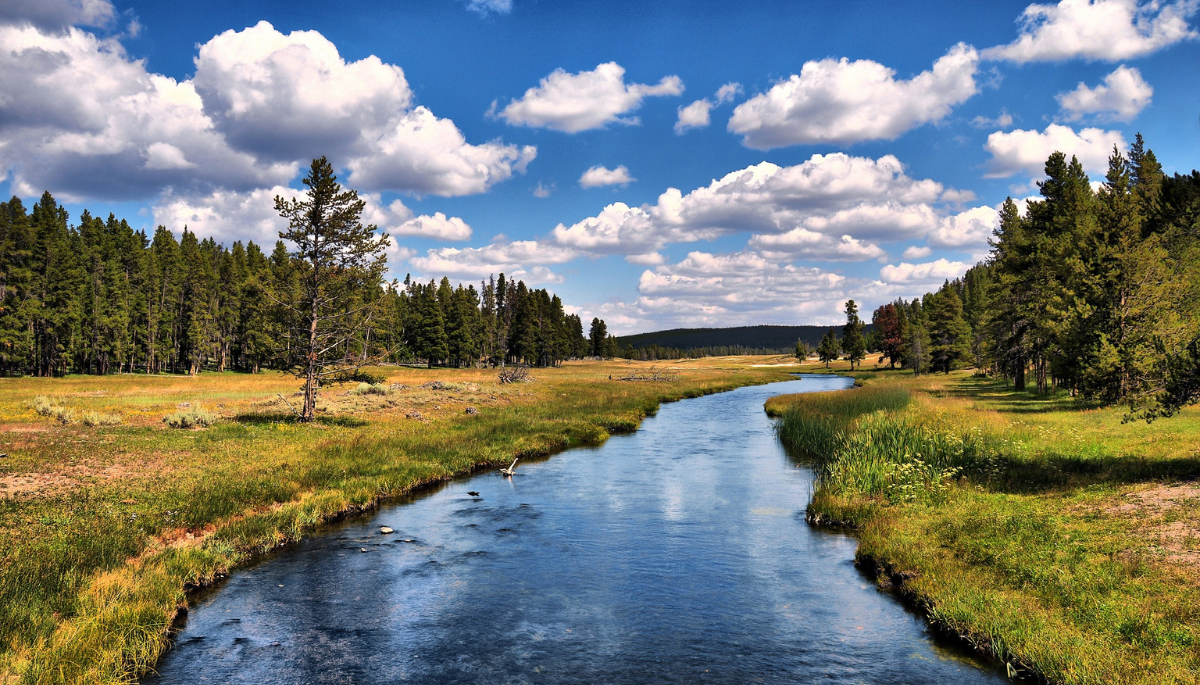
(192, 417)
(371, 389)
(44, 407)
(95, 418)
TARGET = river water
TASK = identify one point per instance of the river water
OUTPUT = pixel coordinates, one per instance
(677, 554)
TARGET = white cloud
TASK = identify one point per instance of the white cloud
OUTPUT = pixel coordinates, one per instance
(832, 196)
(425, 154)
(929, 272)
(599, 176)
(1121, 97)
(728, 92)
(584, 101)
(486, 7)
(290, 97)
(971, 228)
(916, 252)
(801, 242)
(80, 117)
(543, 191)
(227, 216)
(1108, 30)
(692, 116)
(529, 257)
(1002, 120)
(1027, 151)
(57, 14)
(438, 226)
(839, 101)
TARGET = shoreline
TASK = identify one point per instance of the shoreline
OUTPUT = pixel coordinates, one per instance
(145, 581)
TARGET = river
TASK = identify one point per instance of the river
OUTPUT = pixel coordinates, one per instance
(677, 554)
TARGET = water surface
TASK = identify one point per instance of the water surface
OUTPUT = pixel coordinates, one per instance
(677, 554)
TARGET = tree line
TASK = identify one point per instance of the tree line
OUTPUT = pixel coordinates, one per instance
(1094, 291)
(98, 297)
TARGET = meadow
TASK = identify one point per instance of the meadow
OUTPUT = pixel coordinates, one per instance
(120, 494)
(1054, 535)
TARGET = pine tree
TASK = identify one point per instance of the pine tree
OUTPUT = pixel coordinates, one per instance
(854, 346)
(336, 255)
(829, 348)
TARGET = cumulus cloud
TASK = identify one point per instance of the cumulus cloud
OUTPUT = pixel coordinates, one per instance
(969, 229)
(292, 96)
(692, 116)
(54, 15)
(696, 115)
(517, 258)
(1027, 151)
(424, 154)
(542, 191)
(227, 216)
(801, 242)
(599, 176)
(928, 272)
(727, 92)
(786, 208)
(580, 102)
(438, 226)
(1108, 30)
(916, 252)
(1122, 96)
(839, 101)
(82, 118)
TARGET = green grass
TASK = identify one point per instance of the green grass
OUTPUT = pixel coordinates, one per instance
(97, 558)
(1047, 533)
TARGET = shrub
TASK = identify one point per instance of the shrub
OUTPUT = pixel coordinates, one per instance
(95, 418)
(371, 389)
(192, 417)
(42, 405)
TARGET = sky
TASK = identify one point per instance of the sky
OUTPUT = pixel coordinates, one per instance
(657, 164)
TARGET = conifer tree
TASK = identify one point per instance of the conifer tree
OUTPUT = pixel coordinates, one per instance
(854, 346)
(829, 348)
(335, 254)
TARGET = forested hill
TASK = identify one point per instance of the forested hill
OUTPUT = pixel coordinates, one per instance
(780, 339)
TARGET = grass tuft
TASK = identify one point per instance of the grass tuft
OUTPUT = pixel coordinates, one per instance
(191, 417)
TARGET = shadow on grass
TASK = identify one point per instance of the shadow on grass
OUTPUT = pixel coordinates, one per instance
(1004, 398)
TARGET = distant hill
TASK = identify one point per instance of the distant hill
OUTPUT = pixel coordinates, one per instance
(781, 339)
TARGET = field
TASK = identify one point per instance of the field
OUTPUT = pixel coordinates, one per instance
(1056, 536)
(108, 514)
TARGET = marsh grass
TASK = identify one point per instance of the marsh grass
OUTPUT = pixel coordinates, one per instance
(92, 574)
(1006, 516)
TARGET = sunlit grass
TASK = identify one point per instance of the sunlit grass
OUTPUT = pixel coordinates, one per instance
(102, 528)
(1008, 517)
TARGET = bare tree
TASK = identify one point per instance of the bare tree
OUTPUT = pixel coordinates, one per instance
(341, 263)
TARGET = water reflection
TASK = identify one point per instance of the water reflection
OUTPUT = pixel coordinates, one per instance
(678, 554)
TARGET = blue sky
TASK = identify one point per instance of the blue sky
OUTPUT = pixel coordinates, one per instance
(656, 164)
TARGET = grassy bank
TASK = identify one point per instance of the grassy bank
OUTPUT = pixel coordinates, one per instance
(104, 524)
(1050, 534)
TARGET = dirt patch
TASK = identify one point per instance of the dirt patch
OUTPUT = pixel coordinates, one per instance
(67, 478)
(1171, 522)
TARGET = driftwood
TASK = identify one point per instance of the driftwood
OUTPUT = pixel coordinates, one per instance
(654, 375)
(515, 374)
(289, 406)
(511, 470)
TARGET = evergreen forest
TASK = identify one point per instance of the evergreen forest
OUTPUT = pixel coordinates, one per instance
(1091, 291)
(98, 297)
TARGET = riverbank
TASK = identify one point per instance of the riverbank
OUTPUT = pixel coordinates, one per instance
(1049, 534)
(103, 528)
